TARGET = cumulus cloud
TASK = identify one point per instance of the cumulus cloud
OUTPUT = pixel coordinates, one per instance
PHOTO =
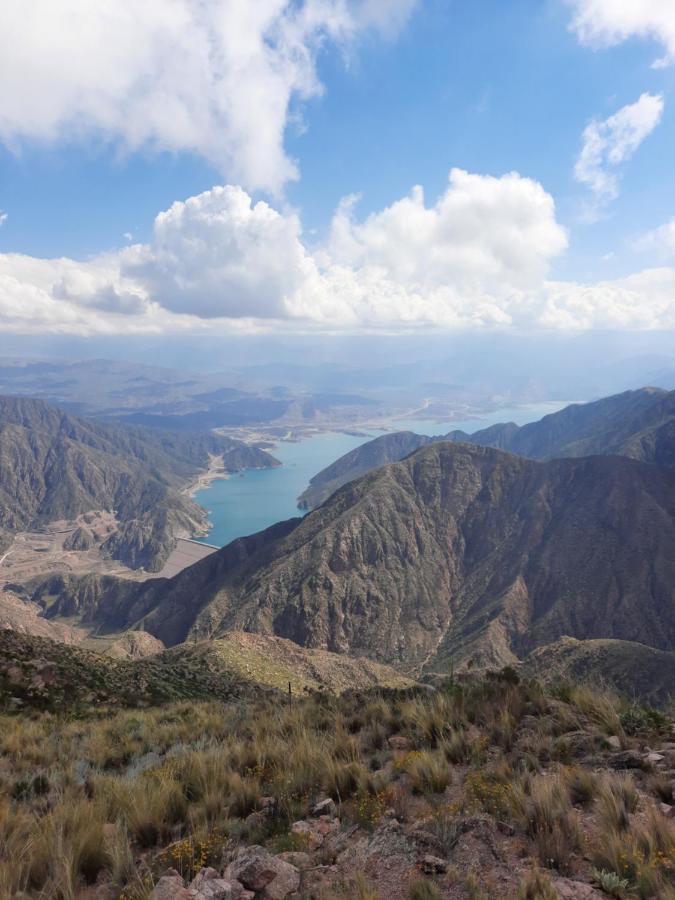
(609, 143)
(214, 77)
(476, 257)
(603, 23)
(219, 254)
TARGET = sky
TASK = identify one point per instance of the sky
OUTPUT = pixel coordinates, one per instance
(223, 167)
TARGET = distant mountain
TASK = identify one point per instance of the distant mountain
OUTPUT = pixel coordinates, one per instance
(55, 466)
(639, 424)
(458, 553)
(371, 455)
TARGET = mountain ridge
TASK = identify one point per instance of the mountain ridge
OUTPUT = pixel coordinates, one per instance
(639, 424)
(56, 466)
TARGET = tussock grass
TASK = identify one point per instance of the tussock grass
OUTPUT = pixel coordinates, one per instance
(118, 796)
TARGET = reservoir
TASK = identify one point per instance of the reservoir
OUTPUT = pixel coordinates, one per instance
(246, 503)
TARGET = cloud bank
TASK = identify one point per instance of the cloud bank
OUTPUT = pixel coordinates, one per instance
(477, 257)
(213, 77)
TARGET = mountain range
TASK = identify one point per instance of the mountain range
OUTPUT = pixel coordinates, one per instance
(457, 555)
(55, 466)
(639, 424)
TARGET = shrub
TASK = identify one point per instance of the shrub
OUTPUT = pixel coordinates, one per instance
(642, 720)
(610, 882)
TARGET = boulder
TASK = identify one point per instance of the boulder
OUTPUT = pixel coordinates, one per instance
(268, 876)
(568, 889)
(208, 885)
(296, 858)
(653, 759)
(433, 865)
(628, 759)
(325, 807)
(315, 831)
(170, 887)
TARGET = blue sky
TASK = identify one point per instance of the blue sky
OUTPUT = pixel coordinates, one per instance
(487, 87)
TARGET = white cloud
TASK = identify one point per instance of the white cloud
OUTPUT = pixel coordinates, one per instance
(604, 23)
(3, 217)
(643, 301)
(609, 143)
(478, 257)
(218, 254)
(660, 241)
(214, 77)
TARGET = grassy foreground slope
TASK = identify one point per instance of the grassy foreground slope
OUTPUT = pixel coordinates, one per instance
(489, 788)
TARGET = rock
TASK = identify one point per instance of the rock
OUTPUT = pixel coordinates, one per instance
(268, 805)
(628, 759)
(399, 743)
(325, 807)
(296, 858)
(208, 885)
(568, 889)
(171, 887)
(433, 865)
(315, 832)
(653, 759)
(312, 836)
(268, 876)
(614, 743)
(207, 874)
(667, 810)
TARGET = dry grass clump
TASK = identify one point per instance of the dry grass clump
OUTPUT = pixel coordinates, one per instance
(617, 800)
(536, 885)
(428, 771)
(644, 856)
(581, 784)
(118, 797)
(423, 889)
(548, 817)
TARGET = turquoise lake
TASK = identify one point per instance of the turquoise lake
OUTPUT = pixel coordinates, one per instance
(246, 503)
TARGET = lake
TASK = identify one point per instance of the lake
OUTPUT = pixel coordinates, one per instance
(246, 503)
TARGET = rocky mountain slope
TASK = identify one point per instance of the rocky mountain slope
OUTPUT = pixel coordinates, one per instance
(641, 672)
(36, 672)
(639, 424)
(56, 466)
(458, 554)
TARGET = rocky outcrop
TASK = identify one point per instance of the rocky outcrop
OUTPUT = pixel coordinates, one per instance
(80, 539)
